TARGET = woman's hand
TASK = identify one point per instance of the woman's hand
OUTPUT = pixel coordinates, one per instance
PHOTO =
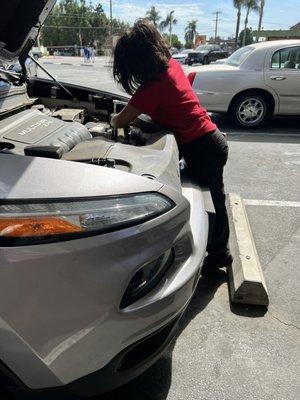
(125, 117)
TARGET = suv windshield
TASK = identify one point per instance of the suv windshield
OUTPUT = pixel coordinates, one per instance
(239, 56)
(204, 47)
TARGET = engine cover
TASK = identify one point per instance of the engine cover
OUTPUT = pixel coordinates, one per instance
(33, 128)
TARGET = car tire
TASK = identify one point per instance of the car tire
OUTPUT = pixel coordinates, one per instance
(250, 110)
(205, 61)
(189, 62)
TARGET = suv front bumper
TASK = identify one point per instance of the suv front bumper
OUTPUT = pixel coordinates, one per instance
(108, 341)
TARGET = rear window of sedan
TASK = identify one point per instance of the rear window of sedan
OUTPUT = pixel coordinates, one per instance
(239, 56)
(286, 58)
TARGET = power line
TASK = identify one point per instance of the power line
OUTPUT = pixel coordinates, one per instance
(76, 27)
(61, 14)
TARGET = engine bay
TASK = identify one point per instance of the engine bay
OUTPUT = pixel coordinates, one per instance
(38, 126)
(36, 120)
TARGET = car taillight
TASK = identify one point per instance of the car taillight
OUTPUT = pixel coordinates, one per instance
(43, 221)
(191, 77)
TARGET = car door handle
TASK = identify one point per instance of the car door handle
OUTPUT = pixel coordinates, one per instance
(277, 78)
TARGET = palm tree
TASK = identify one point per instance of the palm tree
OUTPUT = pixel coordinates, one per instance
(191, 31)
(250, 5)
(261, 14)
(168, 22)
(153, 15)
(238, 5)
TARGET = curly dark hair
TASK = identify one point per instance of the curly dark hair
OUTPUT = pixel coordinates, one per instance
(140, 55)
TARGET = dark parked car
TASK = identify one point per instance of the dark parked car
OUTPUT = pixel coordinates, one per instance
(205, 54)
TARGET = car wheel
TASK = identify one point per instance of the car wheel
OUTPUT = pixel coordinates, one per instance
(189, 62)
(206, 60)
(249, 110)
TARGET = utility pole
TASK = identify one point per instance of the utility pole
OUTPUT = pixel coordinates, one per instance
(217, 13)
(261, 13)
(111, 23)
(170, 27)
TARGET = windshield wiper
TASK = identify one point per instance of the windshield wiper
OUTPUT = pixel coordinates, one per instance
(51, 76)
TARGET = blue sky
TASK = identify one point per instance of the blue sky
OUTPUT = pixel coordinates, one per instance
(278, 14)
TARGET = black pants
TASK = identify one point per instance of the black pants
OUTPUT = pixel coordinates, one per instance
(205, 158)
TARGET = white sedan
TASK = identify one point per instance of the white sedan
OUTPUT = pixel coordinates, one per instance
(182, 56)
(255, 82)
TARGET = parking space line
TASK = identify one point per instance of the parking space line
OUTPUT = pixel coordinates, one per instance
(271, 203)
(259, 134)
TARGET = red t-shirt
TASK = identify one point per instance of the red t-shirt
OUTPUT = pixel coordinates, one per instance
(171, 102)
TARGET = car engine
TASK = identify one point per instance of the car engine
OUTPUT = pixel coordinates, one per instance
(32, 127)
(70, 130)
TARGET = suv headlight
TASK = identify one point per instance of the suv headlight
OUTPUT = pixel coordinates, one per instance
(32, 221)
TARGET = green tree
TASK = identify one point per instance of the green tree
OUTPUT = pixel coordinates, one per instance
(62, 26)
(97, 26)
(188, 45)
(191, 32)
(153, 15)
(168, 23)
(175, 40)
(238, 5)
(119, 26)
(248, 37)
(73, 22)
(250, 5)
(261, 14)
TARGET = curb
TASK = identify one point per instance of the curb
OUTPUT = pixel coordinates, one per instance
(246, 281)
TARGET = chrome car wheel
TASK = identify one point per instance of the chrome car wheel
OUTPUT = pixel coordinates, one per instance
(251, 111)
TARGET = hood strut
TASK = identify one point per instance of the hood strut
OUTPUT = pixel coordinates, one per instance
(51, 76)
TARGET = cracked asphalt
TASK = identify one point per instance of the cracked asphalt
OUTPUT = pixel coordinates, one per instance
(225, 351)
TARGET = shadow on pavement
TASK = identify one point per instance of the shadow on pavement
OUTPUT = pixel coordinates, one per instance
(244, 310)
(203, 295)
(277, 130)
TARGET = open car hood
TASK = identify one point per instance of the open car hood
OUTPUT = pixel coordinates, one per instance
(20, 22)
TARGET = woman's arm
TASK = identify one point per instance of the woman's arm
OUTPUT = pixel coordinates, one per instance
(125, 117)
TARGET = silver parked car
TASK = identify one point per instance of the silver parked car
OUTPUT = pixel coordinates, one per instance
(255, 82)
(102, 237)
(182, 56)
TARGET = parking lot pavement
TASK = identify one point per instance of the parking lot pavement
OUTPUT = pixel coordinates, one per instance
(96, 75)
(224, 351)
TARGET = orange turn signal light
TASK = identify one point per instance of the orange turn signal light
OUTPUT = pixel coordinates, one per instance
(38, 226)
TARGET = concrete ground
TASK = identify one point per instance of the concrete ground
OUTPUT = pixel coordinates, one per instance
(225, 351)
(72, 69)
